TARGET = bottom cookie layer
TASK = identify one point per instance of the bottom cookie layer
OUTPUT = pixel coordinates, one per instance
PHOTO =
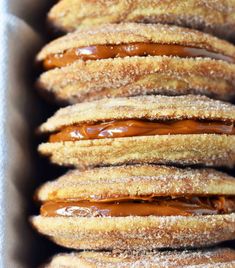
(137, 233)
(205, 149)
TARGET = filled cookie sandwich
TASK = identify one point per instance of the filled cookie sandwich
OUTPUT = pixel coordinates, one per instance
(184, 130)
(217, 16)
(209, 258)
(136, 59)
(138, 208)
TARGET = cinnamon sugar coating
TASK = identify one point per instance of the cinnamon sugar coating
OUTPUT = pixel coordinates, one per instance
(137, 233)
(208, 258)
(139, 180)
(143, 107)
(127, 33)
(216, 16)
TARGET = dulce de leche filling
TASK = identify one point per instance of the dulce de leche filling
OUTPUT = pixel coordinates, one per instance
(97, 52)
(182, 206)
(130, 128)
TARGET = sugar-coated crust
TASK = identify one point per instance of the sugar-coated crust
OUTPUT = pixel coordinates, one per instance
(205, 149)
(143, 107)
(214, 16)
(140, 233)
(218, 257)
(132, 76)
(137, 33)
(137, 180)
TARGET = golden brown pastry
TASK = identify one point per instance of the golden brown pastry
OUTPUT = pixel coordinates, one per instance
(184, 130)
(137, 59)
(216, 16)
(209, 258)
(138, 208)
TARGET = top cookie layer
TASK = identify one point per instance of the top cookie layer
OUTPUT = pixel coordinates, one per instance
(137, 33)
(160, 259)
(140, 180)
(144, 107)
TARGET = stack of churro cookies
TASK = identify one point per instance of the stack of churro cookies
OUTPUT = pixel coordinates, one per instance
(147, 131)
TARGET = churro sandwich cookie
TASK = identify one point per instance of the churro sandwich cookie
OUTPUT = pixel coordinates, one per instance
(216, 17)
(136, 59)
(138, 207)
(210, 258)
(184, 130)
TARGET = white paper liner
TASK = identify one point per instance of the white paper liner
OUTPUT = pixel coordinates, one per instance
(18, 42)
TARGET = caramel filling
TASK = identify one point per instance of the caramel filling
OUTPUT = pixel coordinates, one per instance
(97, 52)
(130, 128)
(182, 206)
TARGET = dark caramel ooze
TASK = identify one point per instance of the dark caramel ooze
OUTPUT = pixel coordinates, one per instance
(97, 52)
(131, 128)
(184, 206)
